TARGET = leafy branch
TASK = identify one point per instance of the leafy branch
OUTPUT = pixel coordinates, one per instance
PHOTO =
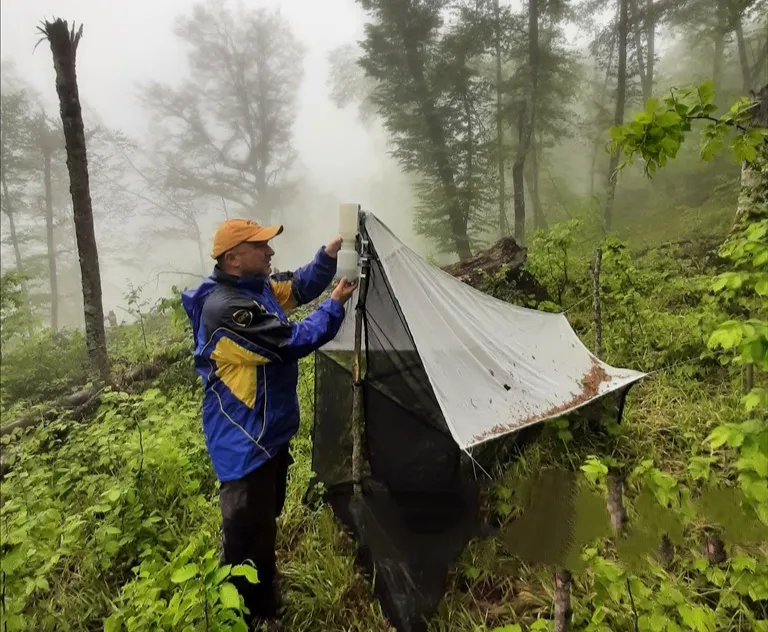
(657, 133)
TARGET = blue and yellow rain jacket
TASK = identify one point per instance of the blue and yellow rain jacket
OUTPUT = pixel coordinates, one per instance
(247, 353)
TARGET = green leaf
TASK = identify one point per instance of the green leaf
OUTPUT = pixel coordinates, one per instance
(668, 119)
(756, 398)
(184, 573)
(744, 562)
(761, 287)
(697, 618)
(113, 623)
(752, 458)
(719, 436)
(242, 570)
(229, 596)
(221, 574)
(743, 150)
(706, 92)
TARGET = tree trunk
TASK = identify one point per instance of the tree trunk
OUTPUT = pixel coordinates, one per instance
(751, 205)
(637, 30)
(518, 168)
(539, 219)
(650, 17)
(563, 582)
(9, 211)
(50, 241)
(598, 118)
(64, 50)
(199, 238)
(527, 120)
(746, 71)
(503, 221)
(720, 32)
(618, 118)
(457, 217)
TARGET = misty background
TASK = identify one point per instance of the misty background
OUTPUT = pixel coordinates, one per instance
(154, 234)
(339, 159)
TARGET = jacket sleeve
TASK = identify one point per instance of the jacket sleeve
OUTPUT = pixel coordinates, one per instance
(265, 336)
(305, 284)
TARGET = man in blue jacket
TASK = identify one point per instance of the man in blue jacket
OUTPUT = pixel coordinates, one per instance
(247, 353)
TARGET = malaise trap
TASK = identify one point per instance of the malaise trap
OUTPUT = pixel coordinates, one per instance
(442, 372)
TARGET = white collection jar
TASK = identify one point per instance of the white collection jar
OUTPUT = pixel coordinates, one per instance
(347, 259)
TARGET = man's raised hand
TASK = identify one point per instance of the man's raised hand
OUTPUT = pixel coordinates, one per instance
(333, 247)
(343, 290)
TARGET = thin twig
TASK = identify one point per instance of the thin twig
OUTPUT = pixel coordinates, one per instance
(632, 601)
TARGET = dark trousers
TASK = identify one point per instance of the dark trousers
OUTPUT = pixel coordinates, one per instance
(249, 510)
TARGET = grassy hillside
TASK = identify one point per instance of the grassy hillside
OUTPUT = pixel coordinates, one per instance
(113, 521)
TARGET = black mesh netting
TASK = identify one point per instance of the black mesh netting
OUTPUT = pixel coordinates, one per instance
(420, 503)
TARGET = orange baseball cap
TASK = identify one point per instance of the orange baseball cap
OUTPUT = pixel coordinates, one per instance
(236, 231)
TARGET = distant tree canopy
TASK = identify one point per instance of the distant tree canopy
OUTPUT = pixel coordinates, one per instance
(475, 95)
(225, 131)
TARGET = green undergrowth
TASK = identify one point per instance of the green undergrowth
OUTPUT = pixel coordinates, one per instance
(113, 522)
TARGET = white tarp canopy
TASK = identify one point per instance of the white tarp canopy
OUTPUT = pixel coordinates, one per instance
(494, 367)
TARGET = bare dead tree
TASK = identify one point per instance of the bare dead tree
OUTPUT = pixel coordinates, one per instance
(64, 43)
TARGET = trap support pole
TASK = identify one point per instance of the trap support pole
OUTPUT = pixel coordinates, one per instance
(363, 249)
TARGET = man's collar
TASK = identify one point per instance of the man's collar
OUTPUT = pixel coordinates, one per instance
(253, 283)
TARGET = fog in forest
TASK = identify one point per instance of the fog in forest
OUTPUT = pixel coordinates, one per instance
(331, 145)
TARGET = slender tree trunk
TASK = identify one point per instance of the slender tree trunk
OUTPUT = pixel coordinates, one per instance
(527, 121)
(563, 581)
(720, 32)
(503, 221)
(518, 170)
(650, 68)
(618, 118)
(598, 120)
(54, 284)
(64, 50)
(199, 239)
(746, 71)
(532, 175)
(12, 226)
(637, 31)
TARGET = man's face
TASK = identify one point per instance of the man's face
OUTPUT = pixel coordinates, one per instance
(250, 259)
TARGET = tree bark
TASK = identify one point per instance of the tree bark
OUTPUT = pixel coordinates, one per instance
(518, 167)
(54, 285)
(64, 50)
(753, 192)
(637, 31)
(563, 582)
(650, 17)
(532, 175)
(746, 71)
(598, 119)
(9, 211)
(618, 118)
(503, 221)
(720, 31)
(526, 121)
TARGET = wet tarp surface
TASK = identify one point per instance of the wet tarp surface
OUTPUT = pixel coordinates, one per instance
(494, 367)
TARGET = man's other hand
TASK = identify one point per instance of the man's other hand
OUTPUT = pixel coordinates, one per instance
(333, 247)
(343, 290)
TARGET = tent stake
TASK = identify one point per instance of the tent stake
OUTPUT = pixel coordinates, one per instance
(357, 380)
